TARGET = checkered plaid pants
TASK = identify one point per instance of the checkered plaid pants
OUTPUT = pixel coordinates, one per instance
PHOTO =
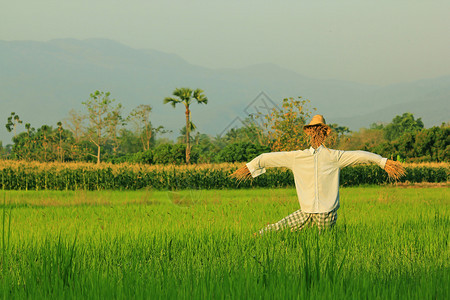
(298, 219)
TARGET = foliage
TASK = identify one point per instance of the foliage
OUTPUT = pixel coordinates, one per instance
(169, 154)
(44, 144)
(251, 131)
(365, 139)
(205, 149)
(86, 138)
(100, 130)
(431, 144)
(412, 142)
(284, 126)
(13, 121)
(182, 137)
(104, 119)
(337, 133)
(401, 125)
(78, 147)
(140, 118)
(241, 152)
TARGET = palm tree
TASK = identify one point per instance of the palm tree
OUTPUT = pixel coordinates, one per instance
(186, 96)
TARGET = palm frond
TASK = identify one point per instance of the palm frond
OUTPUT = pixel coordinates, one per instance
(172, 101)
(184, 94)
(192, 126)
(200, 97)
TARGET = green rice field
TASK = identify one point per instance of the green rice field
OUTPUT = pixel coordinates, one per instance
(389, 243)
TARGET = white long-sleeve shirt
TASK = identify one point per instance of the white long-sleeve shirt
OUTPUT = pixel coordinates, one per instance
(316, 173)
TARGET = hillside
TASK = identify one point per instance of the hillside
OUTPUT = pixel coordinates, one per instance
(42, 81)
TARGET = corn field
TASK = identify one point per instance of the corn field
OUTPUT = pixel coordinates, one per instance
(17, 175)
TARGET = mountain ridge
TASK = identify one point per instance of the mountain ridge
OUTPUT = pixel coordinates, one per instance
(42, 81)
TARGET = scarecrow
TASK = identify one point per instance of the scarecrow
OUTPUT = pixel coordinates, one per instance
(316, 175)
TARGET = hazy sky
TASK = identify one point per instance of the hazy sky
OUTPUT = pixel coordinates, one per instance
(376, 42)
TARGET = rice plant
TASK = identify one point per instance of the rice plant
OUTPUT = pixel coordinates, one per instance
(388, 243)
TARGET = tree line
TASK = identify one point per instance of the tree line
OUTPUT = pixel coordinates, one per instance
(103, 133)
(404, 138)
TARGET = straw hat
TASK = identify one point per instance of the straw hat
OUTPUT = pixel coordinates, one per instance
(318, 120)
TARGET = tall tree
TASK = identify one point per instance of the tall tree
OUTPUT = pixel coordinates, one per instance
(402, 124)
(115, 122)
(28, 144)
(45, 140)
(75, 124)
(140, 118)
(186, 96)
(284, 126)
(101, 113)
(24, 144)
(60, 147)
(12, 123)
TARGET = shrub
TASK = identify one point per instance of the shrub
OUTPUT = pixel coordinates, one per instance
(240, 152)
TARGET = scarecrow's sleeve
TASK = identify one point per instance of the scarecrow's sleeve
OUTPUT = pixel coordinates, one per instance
(270, 160)
(348, 158)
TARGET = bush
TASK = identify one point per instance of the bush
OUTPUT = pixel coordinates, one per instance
(146, 157)
(169, 154)
(241, 152)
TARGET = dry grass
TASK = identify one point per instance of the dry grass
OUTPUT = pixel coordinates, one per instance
(419, 185)
(241, 174)
(317, 134)
(394, 169)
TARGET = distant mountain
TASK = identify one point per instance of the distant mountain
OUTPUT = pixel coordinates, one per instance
(433, 112)
(42, 81)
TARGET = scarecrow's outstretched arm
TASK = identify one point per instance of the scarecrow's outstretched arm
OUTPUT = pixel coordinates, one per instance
(347, 158)
(267, 160)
